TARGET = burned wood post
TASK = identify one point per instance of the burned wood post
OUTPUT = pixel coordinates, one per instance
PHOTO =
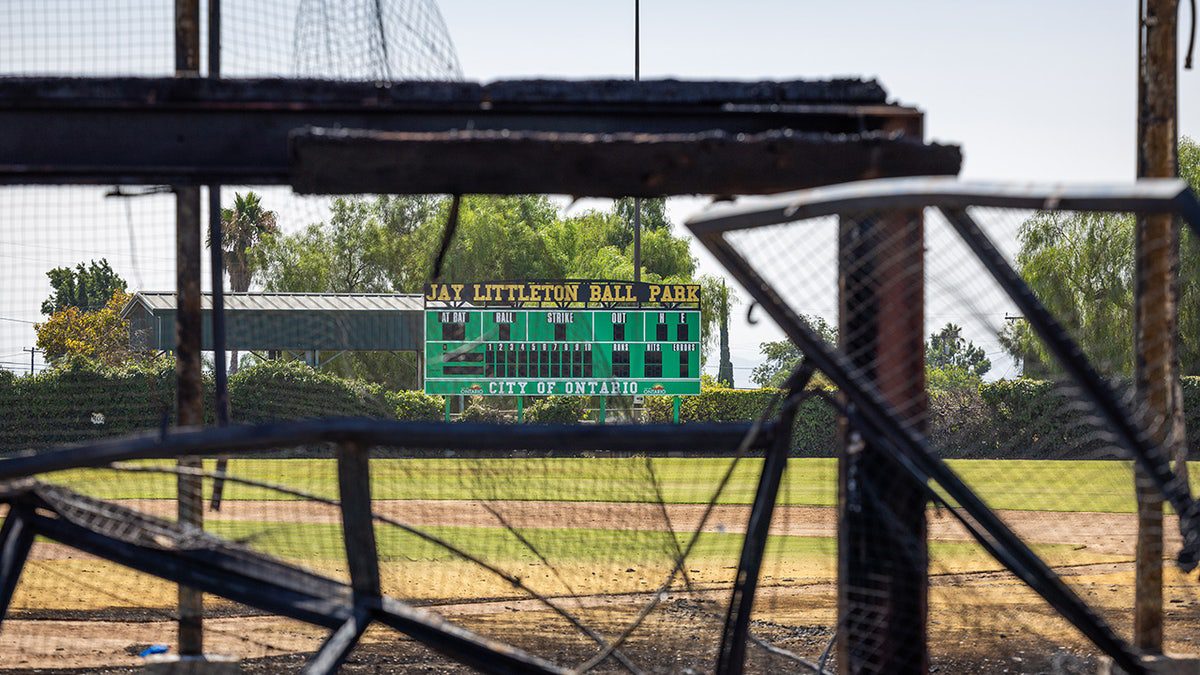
(882, 549)
(1156, 252)
(189, 389)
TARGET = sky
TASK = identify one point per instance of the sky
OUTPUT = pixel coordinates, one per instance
(1031, 91)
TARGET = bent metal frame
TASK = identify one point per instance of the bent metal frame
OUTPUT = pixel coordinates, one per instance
(902, 446)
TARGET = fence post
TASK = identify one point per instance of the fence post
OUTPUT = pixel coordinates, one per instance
(1156, 251)
(882, 548)
(358, 523)
(362, 557)
(189, 389)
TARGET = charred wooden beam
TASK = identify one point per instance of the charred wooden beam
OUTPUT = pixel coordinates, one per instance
(198, 130)
(339, 161)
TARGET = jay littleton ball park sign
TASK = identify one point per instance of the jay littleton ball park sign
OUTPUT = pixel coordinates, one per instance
(578, 338)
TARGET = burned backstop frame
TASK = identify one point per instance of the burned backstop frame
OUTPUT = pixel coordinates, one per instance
(605, 138)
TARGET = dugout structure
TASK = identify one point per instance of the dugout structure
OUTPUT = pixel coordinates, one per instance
(300, 322)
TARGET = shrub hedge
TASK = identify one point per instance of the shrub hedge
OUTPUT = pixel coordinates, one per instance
(556, 410)
(282, 390)
(478, 410)
(815, 429)
(80, 400)
(1019, 418)
(415, 406)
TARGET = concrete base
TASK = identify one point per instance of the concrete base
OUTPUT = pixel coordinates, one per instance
(208, 664)
(1169, 664)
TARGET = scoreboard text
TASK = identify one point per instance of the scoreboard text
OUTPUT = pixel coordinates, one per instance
(626, 346)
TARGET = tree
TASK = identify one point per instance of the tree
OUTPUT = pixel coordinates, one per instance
(948, 349)
(1189, 269)
(716, 303)
(782, 357)
(725, 365)
(388, 244)
(1081, 266)
(365, 246)
(243, 227)
(86, 287)
(101, 335)
(654, 218)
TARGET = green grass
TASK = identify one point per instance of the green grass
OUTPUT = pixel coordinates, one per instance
(306, 541)
(1049, 485)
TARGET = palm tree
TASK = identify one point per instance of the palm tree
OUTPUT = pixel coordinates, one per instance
(243, 226)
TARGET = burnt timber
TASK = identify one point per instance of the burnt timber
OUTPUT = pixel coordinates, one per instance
(699, 137)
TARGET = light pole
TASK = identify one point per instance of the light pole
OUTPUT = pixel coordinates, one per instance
(637, 201)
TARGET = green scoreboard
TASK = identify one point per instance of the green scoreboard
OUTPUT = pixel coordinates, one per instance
(582, 338)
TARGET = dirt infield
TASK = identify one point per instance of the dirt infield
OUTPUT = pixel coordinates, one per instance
(798, 598)
(1109, 533)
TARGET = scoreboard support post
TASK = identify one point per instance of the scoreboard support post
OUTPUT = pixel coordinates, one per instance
(520, 409)
(447, 400)
(603, 405)
(675, 409)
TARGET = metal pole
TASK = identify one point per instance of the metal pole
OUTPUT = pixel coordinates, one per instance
(731, 659)
(216, 248)
(420, 353)
(520, 409)
(1156, 251)
(675, 409)
(637, 201)
(216, 241)
(188, 327)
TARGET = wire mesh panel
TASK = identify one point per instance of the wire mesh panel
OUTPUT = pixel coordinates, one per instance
(1038, 449)
(74, 257)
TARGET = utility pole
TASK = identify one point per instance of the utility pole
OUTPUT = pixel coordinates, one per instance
(1156, 251)
(32, 351)
(189, 400)
(637, 201)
